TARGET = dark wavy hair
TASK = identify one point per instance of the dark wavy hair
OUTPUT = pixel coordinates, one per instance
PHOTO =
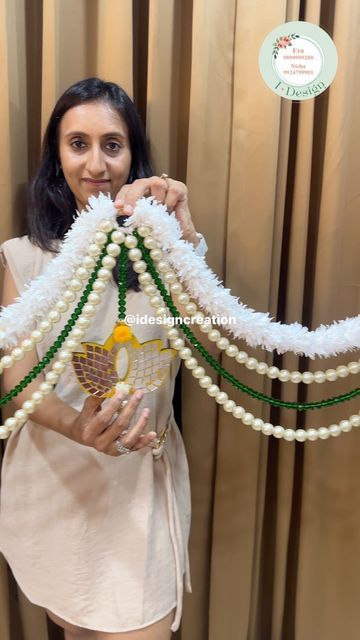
(51, 203)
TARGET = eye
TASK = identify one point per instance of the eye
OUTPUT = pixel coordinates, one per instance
(78, 144)
(113, 146)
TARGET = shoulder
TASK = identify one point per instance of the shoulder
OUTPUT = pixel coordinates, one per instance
(24, 259)
(19, 246)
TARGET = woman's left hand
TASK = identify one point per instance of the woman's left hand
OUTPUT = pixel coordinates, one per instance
(172, 193)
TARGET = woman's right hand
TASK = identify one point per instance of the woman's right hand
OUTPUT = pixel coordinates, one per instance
(96, 426)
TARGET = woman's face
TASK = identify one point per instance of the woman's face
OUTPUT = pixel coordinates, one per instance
(94, 150)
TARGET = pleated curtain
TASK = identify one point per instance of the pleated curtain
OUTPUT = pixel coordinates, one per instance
(274, 188)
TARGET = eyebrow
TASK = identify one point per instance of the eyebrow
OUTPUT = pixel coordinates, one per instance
(111, 134)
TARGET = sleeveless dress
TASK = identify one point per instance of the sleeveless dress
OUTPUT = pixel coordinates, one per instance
(100, 541)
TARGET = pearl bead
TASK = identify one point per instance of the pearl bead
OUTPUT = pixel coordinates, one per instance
(143, 230)
(223, 343)
(262, 368)
(212, 390)
(118, 236)
(4, 432)
(205, 382)
(229, 405)
(278, 431)
(75, 284)
(28, 406)
(150, 242)
(284, 375)
(27, 344)
(257, 424)
(99, 286)
(51, 377)
(37, 397)
(150, 289)
(113, 250)
(241, 357)
(37, 335)
(18, 353)
(58, 367)
(183, 298)
(65, 355)
(11, 423)
(61, 306)
(155, 301)
(94, 250)
(238, 411)
(130, 241)
(172, 333)
(334, 430)
(198, 372)
(88, 262)
(54, 316)
(100, 238)
(323, 433)
(145, 278)
(69, 296)
(300, 435)
(354, 367)
(214, 335)
(289, 435)
(251, 363)
(247, 418)
(191, 363)
(139, 266)
(345, 425)
(178, 344)
(295, 377)
(94, 298)
(160, 311)
(77, 333)
(205, 327)
(176, 288)
(331, 375)
(169, 277)
(185, 353)
(45, 388)
(106, 226)
(191, 308)
(108, 262)
(82, 273)
(272, 372)
(163, 266)
(45, 326)
(319, 377)
(307, 377)
(104, 274)
(71, 345)
(221, 397)
(342, 371)
(312, 434)
(156, 254)
(232, 350)
(267, 429)
(355, 420)
(134, 254)
(20, 415)
(83, 322)
(7, 362)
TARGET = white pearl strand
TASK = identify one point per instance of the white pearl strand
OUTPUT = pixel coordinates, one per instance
(81, 275)
(72, 343)
(205, 381)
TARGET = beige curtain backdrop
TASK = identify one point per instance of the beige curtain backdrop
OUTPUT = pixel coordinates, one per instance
(274, 187)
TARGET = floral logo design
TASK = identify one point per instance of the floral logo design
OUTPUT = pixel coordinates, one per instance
(282, 42)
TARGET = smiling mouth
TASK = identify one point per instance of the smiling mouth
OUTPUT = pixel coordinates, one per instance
(96, 182)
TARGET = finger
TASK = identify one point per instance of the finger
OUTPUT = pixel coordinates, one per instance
(144, 440)
(105, 435)
(133, 439)
(176, 194)
(128, 195)
(90, 407)
(100, 420)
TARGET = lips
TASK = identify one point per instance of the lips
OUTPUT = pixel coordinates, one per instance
(96, 183)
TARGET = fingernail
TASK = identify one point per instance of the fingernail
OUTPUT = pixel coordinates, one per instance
(128, 209)
(139, 395)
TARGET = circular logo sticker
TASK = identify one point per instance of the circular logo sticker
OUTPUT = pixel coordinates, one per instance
(298, 60)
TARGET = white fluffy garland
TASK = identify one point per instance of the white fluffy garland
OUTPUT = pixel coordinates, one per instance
(42, 293)
(256, 328)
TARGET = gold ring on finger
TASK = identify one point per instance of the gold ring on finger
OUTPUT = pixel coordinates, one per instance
(165, 177)
(123, 404)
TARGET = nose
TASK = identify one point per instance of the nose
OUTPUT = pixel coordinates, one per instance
(95, 162)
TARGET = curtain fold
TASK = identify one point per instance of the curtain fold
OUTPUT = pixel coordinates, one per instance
(273, 186)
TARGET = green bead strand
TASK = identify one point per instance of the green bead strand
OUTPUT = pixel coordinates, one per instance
(122, 283)
(62, 336)
(300, 406)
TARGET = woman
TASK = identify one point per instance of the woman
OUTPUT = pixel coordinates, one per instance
(96, 537)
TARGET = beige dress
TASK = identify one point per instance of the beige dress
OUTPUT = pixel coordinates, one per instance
(101, 541)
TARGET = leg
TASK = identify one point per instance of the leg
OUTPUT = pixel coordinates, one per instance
(71, 632)
(157, 631)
